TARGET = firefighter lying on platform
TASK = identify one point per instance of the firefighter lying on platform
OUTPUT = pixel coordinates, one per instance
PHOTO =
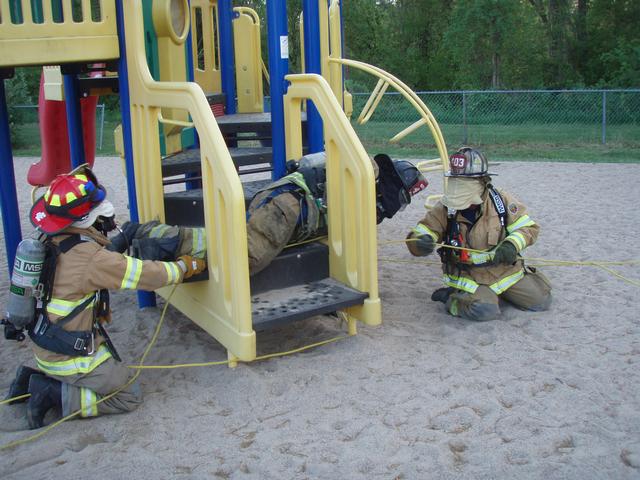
(77, 363)
(496, 228)
(290, 210)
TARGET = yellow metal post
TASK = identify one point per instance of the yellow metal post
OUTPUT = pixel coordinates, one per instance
(248, 54)
(205, 45)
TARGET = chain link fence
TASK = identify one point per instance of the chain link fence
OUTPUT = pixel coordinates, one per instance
(546, 123)
(582, 125)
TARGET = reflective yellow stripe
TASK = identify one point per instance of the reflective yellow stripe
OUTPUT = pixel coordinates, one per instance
(76, 365)
(518, 240)
(158, 230)
(420, 229)
(481, 258)
(61, 308)
(88, 403)
(198, 237)
(461, 283)
(523, 221)
(70, 197)
(132, 274)
(55, 200)
(502, 285)
(173, 272)
(81, 176)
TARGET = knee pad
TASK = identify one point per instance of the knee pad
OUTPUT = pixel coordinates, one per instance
(542, 306)
(482, 312)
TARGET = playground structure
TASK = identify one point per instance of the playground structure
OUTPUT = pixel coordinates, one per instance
(190, 80)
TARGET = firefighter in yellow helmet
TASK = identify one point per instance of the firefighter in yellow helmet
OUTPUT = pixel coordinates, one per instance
(496, 228)
(77, 363)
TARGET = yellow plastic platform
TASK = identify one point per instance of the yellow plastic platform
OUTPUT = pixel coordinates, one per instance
(79, 34)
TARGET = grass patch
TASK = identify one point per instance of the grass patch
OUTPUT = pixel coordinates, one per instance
(557, 142)
(560, 142)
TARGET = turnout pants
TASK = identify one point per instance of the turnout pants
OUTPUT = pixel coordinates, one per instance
(532, 293)
(82, 391)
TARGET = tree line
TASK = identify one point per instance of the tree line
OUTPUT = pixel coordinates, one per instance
(470, 44)
(490, 44)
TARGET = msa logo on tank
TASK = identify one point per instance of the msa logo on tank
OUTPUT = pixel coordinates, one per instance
(27, 267)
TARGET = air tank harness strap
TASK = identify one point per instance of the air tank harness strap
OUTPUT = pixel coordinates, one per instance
(51, 336)
(498, 204)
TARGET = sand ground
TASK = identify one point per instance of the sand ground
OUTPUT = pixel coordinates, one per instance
(532, 395)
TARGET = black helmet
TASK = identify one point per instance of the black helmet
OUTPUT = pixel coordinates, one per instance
(398, 181)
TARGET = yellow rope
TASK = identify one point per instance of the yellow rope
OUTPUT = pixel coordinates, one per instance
(19, 397)
(224, 362)
(46, 429)
(543, 261)
(141, 366)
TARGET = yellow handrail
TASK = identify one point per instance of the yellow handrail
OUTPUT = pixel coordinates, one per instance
(350, 181)
(222, 304)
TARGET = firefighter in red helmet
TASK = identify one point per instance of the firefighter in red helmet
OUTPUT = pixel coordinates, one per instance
(77, 364)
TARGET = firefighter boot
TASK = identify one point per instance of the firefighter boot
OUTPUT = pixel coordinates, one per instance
(442, 294)
(121, 242)
(20, 384)
(46, 393)
(163, 249)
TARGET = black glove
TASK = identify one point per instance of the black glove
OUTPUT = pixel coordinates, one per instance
(424, 245)
(505, 253)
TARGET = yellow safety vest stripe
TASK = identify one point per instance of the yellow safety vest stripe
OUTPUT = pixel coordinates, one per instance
(502, 285)
(75, 365)
(518, 240)
(461, 283)
(523, 221)
(468, 285)
(199, 236)
(62, 308)
(88, 403)
(173, 272)
(158, 230)
(481, 258)
(132, 274)
(421, 229)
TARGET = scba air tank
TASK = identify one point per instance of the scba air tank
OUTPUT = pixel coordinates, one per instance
(24, 280)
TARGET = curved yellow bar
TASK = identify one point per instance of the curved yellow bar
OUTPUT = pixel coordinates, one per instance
(411, 96)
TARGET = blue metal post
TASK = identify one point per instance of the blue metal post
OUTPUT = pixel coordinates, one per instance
(278, 44)
(8, 195)
(313, 64)
(74, 119)
(145, 299)
(227, 60)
